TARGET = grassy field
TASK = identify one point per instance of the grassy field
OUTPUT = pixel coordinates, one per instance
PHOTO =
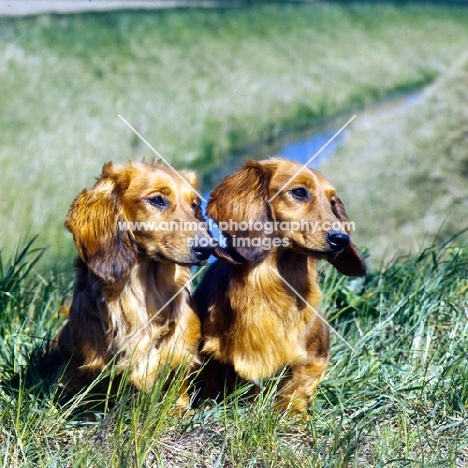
(409, 184)
(400, 399)
(197, 84)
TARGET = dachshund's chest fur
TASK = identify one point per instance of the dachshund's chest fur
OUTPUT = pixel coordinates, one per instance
(146, 320)
(262, 324)
(139, 310)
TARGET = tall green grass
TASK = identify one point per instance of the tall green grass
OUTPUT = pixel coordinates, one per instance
(399, 399)
(197, 84)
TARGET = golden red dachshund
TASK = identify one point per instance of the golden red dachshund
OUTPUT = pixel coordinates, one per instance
(262, 314)
(131, 303)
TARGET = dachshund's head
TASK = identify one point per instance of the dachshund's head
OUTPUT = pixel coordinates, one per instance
(285, 206)
(140, 209)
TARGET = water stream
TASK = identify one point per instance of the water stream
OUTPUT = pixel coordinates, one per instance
(303, 145)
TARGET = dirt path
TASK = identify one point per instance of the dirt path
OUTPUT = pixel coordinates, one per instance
(35, 7)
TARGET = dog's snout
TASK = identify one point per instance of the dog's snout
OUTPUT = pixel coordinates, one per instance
(203, 250)
(337, 240)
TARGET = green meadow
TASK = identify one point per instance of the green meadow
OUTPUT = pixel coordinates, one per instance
(409, 184)
(201, 85)
(198, 84)
(395, 393)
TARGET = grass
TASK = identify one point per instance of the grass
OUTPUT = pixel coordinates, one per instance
(400, 399)
(198, 84)
(409, 185)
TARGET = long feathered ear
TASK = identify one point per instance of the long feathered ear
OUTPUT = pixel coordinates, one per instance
(191, 179)
(106, 247)
(350, 261)
(241, 200)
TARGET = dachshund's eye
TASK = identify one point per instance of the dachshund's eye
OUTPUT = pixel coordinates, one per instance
(301, 193)
(196, 205)
(157, 201)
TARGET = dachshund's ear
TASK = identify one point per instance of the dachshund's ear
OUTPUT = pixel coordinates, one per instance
(239, 204)
(350, 261)
(96, 221)
(190, 178)
(228, 255)
(191, 181)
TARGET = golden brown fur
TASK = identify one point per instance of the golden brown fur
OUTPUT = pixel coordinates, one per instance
(121, 307)
(253, 324)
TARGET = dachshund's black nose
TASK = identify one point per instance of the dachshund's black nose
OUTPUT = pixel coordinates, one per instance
(203, 250)
(337, 240)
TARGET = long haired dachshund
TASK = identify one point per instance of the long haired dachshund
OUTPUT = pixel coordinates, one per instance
(262, 314)
(130, 300)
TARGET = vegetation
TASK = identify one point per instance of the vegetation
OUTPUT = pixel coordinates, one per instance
(409, 184)
(400, 398)
(198, 84)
